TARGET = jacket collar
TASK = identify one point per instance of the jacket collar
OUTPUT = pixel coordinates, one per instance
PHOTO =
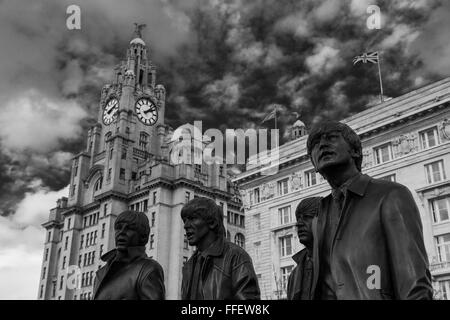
(132, 254)
(359, 184)
(215, 249)
(298, 257)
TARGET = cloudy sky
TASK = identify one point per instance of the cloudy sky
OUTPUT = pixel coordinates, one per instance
(222, 61)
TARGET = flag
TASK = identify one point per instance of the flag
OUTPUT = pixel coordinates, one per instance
(269, 116)
(371, 57)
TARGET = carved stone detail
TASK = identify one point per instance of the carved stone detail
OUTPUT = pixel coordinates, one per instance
(296, 181)
(444, 129)
(405, 144)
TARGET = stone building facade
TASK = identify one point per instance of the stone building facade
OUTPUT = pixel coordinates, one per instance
(405, 139)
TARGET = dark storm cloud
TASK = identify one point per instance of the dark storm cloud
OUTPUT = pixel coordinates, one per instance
(223, 62)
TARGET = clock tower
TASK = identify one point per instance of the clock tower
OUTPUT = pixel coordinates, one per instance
(126, 165)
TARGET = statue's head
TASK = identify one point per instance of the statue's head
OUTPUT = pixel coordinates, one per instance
(202, 217)
(132, 229)
(332, 143)
(306, 210)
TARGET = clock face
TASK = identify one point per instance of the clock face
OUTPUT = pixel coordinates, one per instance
(146, 111)
(110, 111)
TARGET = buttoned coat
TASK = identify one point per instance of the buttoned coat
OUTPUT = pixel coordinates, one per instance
(377, 251)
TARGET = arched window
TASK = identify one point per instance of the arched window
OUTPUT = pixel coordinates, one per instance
(107, 136)
(98, 184)
(239, 239)
(143, 140)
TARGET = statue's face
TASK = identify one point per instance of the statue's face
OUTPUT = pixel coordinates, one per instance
(127, 235)
(196, 228)
(304, 229)
(331, 149)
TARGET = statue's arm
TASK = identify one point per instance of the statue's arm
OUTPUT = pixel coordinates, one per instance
(245, 282)
(408, 258)
(151, 283)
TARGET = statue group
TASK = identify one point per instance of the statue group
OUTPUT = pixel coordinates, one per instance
(364, 224)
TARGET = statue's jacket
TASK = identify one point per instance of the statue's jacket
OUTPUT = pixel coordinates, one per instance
(133, 277)
(226, 274)
(377, 250)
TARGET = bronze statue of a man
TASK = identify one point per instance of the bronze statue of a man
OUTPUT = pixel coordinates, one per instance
(129, 273)
(219, 269)
(368, 241)
(300, 280)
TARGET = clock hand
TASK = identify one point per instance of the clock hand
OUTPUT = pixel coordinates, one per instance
(147, 111)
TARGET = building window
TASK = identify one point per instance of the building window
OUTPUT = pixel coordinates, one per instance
(256, 194)
(46, 254)
(228, 217)
(284, 215)
(101, 250)
(286, 246)
(44, 271)
(105, 209)
(390, 177)
(74, 187)
(103, 229)
(122, 174)
(187, 197)
(133, 175)
(111, 151)
(435, 171)
(443, 247)
(444, 287)
(75, 167)
(310, 178)
(66, 243)
(282, 187)
(98, 184)
(257, 246)
(153, 219)
(64, 263)
(383, 153)
(143, 140)
(257, 221)
(108, 177)
(81, 241)
(429, 138)
(145, 205)
(239, 239)
(53, 289)
(197, 169)
(152, 241)
(68, 223)
(107, 136)
(80, 258)
(61, 283)
(154, 197)
(228, 235)
(185, 242)
(440, 209)
(49, 236)
(41, 293)
(285, 272)
(124, 154)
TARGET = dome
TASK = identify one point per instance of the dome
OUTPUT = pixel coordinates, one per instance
(137, 41)
(299, 123)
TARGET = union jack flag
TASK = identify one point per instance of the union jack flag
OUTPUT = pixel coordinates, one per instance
(371, 57)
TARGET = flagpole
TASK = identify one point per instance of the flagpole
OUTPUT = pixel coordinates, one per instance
(379, 74)
(276, 117)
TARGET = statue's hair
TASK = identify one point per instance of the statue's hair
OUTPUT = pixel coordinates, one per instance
(308, 206)
(140, 219)
(206, 209)
(347, 133)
